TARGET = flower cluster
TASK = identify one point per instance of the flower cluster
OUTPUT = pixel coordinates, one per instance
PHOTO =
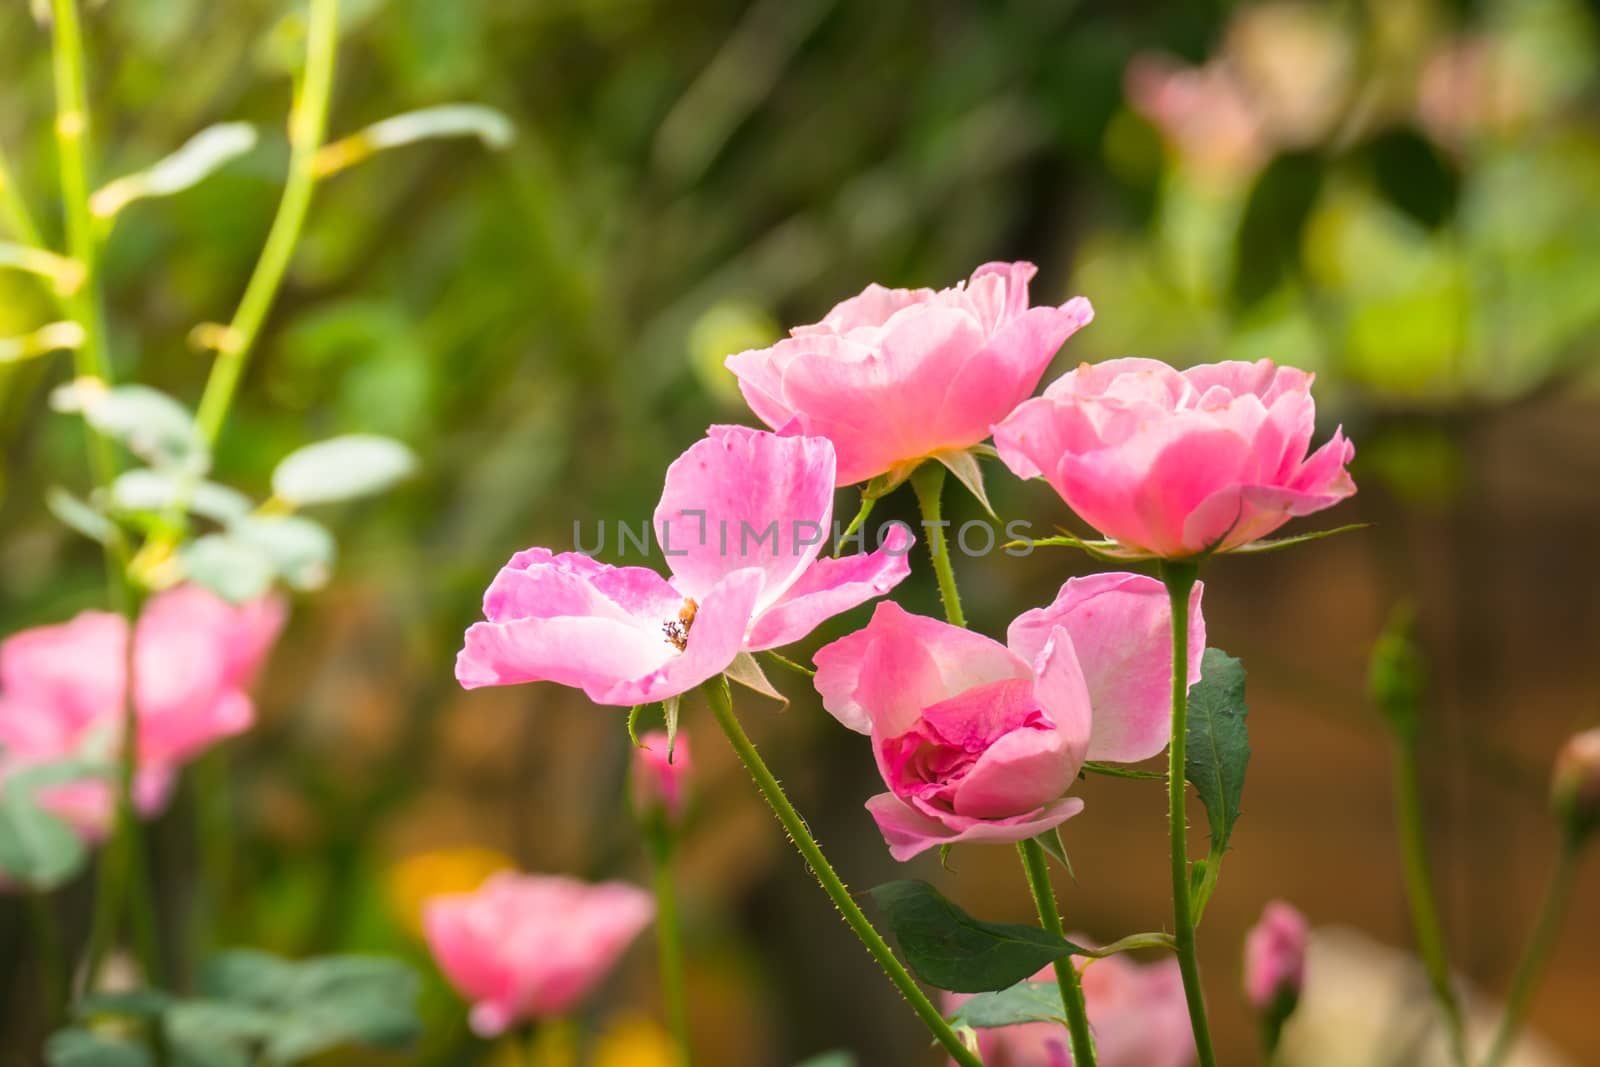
(977, 740)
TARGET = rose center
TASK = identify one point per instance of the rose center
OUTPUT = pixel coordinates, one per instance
(677, 630)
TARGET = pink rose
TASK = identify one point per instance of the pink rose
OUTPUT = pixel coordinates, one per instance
(61, 692)
(659, 784)
(741, 522)
(528, 946)
(1275, 955)
(978, 741)
(894, 375)
(1137, 1014)
(1176, 464)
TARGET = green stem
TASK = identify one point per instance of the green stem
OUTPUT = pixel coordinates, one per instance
(1420, 893)
(1179, 579)
(214, 827)
(49, 952)
(806, 845)
(308, 123)
(1551, 912)
(927, 481)
(1037, 868)
(669, 943)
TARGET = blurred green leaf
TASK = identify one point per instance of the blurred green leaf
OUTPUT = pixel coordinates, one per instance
(199, 157)
(341, 468)
(301, 550)
(152, 490)
(1025, 1002)
(836, 1058)
(1415, 176)
(146, 421)
(1274, 218)
(229, 566)
(37, 849)
(77, 515)
(950, 949)
(81, 1048)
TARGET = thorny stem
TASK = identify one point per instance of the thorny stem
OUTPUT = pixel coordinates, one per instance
(1037, 868)
(722, 707)
(1179, 578)
(1551, 912)
(928, 482)
(669, 941)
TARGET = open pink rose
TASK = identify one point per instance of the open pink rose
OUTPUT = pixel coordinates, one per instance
(978, 741)
(659, 784)
(62, 686)
(1275, 955)
(1177, 464)
(1137, 1014)
(894, 375)
(741, 522)
(528, 946)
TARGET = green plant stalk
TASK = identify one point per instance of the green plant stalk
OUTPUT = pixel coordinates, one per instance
(1179, 578)
(121, 869)
(669, 940)
(1420, 894)
(1036, 865)
(308, 122)
(49, 951)
(722, 707)
(213, 813)
(1552, 910)
(927, 481)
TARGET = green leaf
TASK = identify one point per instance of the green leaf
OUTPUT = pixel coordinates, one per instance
(37, 848)
(1025, 1002)
(1113, 770)
(27, 781)
(227, 565)
(77, 515)
(300, 550)
(1271, 224)
(1276, 544)
(633, 725)
(950, 949)
(669, 714)
(747, 672)
(340, 1000)
(127, 1004)
(200, 156)
(1218, 742)
(964, 465)
(81, 1048)
(151, 490)
(1051, 842)
(245, 975)
(341, 468)
(146, 421)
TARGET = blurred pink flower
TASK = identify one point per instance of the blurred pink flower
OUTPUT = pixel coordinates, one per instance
(893, 375)
(741, 521)
(1203, 113)
(978, 741)
(1275, 955)
(660, 785)
(61, 692)
(1137, 1014)
(528, 946)
(1178, 464)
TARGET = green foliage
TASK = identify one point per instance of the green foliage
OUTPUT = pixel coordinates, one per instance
(253, 1008)
(950, 949)
(38, 849)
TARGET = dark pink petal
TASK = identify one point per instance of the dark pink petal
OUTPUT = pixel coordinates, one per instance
(909, 832)
(830, 586)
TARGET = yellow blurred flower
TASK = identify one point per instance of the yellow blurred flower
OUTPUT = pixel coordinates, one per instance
(414, 879)
(635, 1041)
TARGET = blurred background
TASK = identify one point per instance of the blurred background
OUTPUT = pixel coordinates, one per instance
(1403, 196)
